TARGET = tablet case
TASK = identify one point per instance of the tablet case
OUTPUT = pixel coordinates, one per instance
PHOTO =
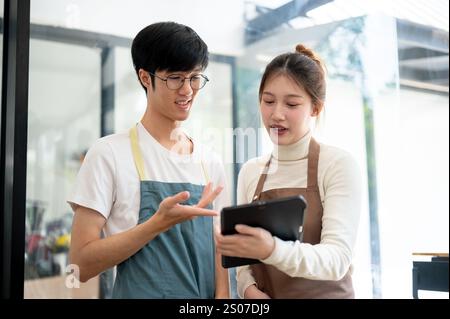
(281, 217)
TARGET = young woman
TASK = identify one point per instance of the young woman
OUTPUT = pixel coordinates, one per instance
(292, 95)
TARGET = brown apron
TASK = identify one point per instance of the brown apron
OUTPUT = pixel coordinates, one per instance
(276, 283)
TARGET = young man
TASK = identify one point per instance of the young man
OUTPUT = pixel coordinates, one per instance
(151, 189)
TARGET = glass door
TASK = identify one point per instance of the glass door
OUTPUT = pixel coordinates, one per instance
(63, 121)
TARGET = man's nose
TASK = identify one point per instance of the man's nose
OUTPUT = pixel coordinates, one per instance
(186, 88)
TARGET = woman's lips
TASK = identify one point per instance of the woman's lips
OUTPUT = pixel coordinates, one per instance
(278, 130)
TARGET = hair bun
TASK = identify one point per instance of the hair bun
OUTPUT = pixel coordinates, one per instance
(301, 49)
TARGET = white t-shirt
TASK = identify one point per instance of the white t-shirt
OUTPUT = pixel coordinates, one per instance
(108, 181)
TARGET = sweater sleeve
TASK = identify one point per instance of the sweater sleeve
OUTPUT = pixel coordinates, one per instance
(244, 279)
(331, 258)
(244, 275)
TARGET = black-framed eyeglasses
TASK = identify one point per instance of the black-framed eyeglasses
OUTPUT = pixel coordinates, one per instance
(176, 81)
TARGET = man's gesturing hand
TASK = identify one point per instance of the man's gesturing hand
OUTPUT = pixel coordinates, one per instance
(172, 212)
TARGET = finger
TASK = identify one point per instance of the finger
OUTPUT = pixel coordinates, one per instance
(221, 248)
(205, 193)
(217, 232)
(230, 245)
(209, 197)
(171, 201)
(229, 252)
(207, 189)
(212, 196)
(219, 238)
(247, 230)
(197, 211)
(231, 239)
(217, 191)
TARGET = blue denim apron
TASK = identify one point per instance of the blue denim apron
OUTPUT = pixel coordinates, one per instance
(178, 263)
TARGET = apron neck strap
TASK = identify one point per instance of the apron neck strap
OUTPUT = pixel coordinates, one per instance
(313, 163)
(139, 160)
(205, 173)
(261, 181)
(137, 155)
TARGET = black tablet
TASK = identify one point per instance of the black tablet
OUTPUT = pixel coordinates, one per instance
(281, 217)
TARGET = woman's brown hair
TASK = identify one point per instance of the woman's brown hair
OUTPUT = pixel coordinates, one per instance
(303, 66)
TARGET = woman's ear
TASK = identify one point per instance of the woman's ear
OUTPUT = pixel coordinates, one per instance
(144, 77)
(316, 109)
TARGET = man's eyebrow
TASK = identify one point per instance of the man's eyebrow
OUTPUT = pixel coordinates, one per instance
(181, 72)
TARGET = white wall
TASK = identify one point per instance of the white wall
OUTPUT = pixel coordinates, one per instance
(342, 125)
(412, 167)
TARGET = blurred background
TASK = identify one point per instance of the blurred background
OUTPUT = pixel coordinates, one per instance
(387, 104)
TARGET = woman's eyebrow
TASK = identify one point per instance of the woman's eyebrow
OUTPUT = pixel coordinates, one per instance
(295, 95)
(287, 96)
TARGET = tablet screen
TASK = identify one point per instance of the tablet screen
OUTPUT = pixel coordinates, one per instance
(282, 217)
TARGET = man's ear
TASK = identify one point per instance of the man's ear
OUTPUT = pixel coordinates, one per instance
(144, 77)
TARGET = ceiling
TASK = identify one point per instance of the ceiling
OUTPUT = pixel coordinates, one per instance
(422, 32)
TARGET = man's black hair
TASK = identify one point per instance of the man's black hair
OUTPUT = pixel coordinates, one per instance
(168, 46)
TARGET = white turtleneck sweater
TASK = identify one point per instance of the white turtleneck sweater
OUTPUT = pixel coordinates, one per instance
(340, 192)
